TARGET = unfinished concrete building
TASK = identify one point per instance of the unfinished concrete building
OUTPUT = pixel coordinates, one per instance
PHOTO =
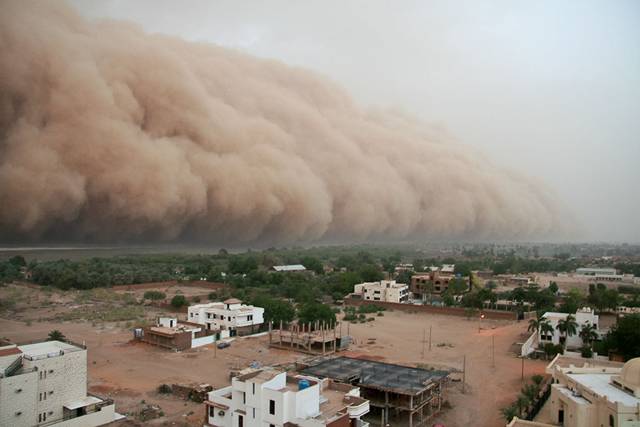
(398, 395)
(314, 338)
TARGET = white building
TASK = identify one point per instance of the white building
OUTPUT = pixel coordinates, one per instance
(291, 267)
(231, 317)
(589, 271)
(271, 398)
(384, 291)
(583, 317)
(587, 393)
(46, 384)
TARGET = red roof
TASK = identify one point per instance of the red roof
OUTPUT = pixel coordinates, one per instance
(9, 351)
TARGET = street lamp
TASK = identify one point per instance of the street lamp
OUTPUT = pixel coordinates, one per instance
(480, 322)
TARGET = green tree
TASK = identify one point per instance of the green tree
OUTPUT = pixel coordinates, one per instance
(154, 295)
(553, 287)
(567, 327)
(588, 334)
(275, 310)
(56, 335)
(178, 301)
(312, 264)
(312, 311)
(623, 338)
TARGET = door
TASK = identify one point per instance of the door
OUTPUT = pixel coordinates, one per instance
(561, 417)
(240, 421)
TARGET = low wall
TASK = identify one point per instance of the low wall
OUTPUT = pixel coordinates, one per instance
(196, 284)
(446, 311)
(199, 342)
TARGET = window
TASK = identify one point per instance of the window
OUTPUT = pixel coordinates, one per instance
(240, 421)
(244, 397)
(612, 421)
(272, 407)
(190, 314)
(254, 413)
(250, 317)
(253, 387)
(211, 411)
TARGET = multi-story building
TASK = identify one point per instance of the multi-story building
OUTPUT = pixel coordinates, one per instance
(230, 317)
(46, 384)
(271, 398)
(588, 393)
(176, 335)
(384, 291)
(583, 317)
(431, 282)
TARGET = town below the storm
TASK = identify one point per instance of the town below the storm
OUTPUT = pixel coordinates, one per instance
(433, 334)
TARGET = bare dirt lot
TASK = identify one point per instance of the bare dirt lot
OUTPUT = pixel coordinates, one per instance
(131, 372)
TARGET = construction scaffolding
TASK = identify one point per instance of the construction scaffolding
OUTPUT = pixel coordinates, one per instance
(318, 338)
(402, 395)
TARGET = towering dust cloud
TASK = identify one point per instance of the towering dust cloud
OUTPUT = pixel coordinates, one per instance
(111, 134)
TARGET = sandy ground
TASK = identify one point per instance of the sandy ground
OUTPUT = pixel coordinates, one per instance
(490, 386)
(131, 372)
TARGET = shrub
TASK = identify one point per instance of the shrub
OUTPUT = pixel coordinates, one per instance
(164, 389)
(380, 314)
(195, 299)
(586, 351)
(212, 296)
(154, 295)
(178, 301)
(372, 308)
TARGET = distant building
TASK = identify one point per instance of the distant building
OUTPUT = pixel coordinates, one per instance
(583, 317)
(588, 393)
(384, 291)
(229, 317)
(433, 282)
(271, 397)
(592, 271)
(403, 267)
(288, 268)
(46, 384)
(447, 268)
(177, 335)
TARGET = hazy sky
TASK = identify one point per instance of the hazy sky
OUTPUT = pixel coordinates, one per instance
(551, 88)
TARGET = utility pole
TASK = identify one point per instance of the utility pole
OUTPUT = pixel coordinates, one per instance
(464, 372)
(522, 375)
(424, 340)
(430, 328)
(493, 351)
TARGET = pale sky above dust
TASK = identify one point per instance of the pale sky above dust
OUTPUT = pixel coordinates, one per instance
(549, 88)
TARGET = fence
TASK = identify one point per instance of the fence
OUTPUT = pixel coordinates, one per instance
(447, 311)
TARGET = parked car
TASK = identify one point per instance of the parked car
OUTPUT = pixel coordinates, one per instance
(222, 345)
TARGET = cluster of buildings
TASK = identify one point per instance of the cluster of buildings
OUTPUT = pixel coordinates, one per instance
(590, 393)
(205, 324)
(46, 384)
(383, 291)
(583, 317)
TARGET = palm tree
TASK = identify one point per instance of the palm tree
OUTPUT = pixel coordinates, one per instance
(589, 334)
(56, 335)
(546, 328)
(567, 327)
(534, 324)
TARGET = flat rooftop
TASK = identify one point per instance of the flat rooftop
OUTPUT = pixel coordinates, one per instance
(601, 385)
(379, 375)
(47, 348)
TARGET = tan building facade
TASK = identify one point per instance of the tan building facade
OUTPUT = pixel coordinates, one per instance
(591, 394)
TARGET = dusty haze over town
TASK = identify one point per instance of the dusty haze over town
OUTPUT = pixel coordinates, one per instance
(283, 122)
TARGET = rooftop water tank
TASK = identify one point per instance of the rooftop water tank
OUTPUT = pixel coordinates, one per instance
(302, 384)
